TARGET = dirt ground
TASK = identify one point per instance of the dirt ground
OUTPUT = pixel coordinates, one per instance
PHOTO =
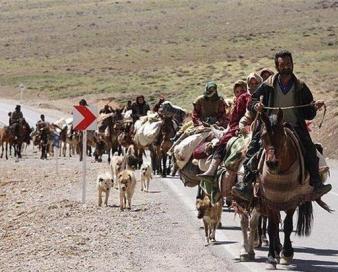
(45, 227)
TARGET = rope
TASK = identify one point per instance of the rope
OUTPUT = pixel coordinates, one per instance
(297, 107)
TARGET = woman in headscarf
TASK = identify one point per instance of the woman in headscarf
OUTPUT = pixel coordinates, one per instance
(242, 98)
(209, 107)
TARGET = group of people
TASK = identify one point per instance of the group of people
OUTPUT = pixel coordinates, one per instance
(262, 89)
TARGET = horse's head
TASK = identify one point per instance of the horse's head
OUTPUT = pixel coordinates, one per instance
(273, 138)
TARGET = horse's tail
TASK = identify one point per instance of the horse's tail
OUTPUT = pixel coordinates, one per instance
(305, 219)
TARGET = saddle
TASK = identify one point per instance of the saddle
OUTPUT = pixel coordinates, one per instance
(285, 190)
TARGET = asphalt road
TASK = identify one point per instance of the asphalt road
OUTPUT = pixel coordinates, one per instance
(319, 252)
(32, 115)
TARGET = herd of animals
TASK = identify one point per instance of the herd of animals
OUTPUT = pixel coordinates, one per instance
(127, 143)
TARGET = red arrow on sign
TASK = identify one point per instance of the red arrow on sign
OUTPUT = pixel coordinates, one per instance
(87, 115)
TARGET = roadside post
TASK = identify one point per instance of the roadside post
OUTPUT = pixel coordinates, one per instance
(84, 119)
(22, 88)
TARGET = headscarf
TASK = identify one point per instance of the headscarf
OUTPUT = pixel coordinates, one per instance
(266, 70)
(240, 83)
(255, 76)
(209, 85)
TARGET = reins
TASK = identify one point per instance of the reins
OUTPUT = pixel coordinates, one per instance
(297, 107)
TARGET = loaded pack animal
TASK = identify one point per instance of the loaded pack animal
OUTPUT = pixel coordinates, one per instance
(107, 136)
(159, 155)
(172, 117)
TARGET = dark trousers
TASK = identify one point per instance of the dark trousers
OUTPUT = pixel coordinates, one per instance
(311, 160)
(250, 162)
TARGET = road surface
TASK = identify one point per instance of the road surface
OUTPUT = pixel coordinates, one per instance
(32, 115)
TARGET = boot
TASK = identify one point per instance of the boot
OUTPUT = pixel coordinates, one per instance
(319, 188)
(243, 189)
(210, 173)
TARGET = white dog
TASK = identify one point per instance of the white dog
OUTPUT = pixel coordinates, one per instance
(127, 183)
(104, 184)
(146, 176)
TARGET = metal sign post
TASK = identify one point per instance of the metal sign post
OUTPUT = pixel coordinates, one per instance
(84, 118)
(84, 165)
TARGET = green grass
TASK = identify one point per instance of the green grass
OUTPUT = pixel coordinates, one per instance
(119, 49)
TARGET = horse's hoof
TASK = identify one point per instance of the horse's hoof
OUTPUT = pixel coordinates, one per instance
(265, 241)
(286, 260)
(244, 258)
(251, 256)
(271, 264)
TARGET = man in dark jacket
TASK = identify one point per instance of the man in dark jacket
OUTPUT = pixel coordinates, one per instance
(43, 131)
(283, 90)
(14, 120)
(139, 108)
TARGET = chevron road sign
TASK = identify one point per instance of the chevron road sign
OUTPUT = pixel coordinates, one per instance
(84, 118)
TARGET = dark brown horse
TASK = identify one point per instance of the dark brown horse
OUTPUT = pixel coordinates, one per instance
(106, 141)
(20, 134)
(162, 145)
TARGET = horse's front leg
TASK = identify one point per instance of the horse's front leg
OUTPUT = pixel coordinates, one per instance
(109, 151)
(244, 252)
(287, 252)
(254, 223)
(164, 165)
(273, 237)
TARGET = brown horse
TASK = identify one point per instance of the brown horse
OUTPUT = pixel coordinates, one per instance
(282, 186)
(7, 138)
(162, 145)
(107, 138)
(126, 139)
(20, 133)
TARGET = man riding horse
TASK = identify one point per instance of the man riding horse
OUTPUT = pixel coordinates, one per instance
(278, 91)
(15, 119)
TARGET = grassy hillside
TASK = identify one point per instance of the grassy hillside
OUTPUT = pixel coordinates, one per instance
(70, 48)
